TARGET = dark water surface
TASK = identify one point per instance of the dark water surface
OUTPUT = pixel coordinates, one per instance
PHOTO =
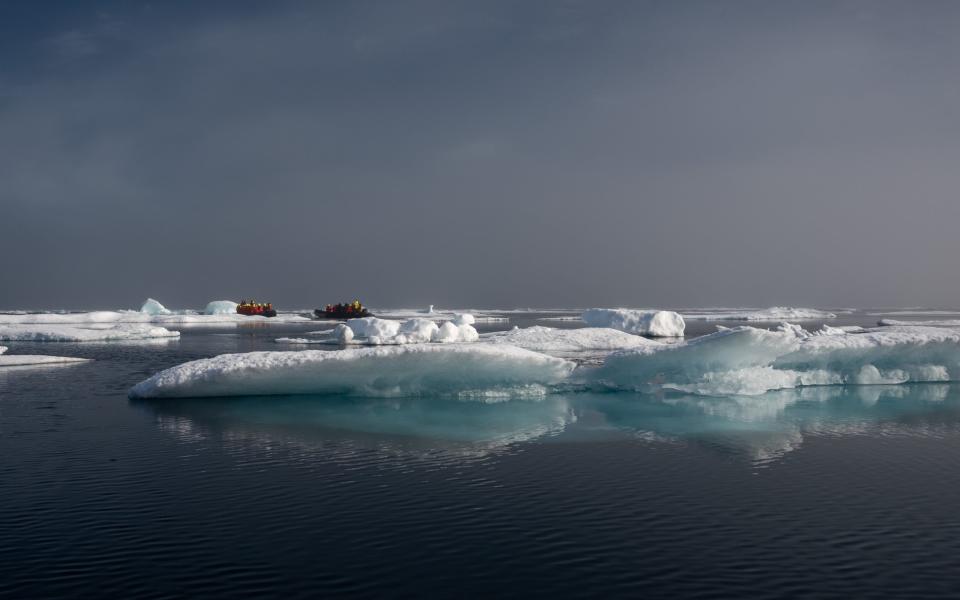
(824, 492)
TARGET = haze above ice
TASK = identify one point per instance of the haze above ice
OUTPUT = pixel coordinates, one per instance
(480, 153)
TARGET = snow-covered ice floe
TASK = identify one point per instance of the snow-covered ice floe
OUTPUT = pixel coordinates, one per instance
(91, 333)
(153, 312)
(568, 342)
(470, 371)
(933, 323)
(749, 361)
(375, 331)
(774, 313)
(657, 323)
(21, 360)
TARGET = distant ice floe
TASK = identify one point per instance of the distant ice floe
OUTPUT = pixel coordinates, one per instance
(375, 331)
(932, 323)
(152, 311)
(471, 371)
(774, 313)
(442, 314)
(657, 323)
(749, 361)
(21, 360)
(91, 333)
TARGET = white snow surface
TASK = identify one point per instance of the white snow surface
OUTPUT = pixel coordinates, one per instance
(90, 333)
(774, 313)
(748, 361)
(657, 323)
(469, 371)
(567, 341)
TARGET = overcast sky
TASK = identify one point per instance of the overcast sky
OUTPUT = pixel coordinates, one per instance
(664, 153)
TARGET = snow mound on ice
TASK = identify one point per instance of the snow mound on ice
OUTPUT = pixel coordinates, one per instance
(746, 360)
(550, 340)
(448, 332)
(3, 349)
(221, 307)
(658, 323)
(465, 370)
(774, 313)
(416, 331)
(373, 327)
(152, 307)
(91, 333)
(464, 319)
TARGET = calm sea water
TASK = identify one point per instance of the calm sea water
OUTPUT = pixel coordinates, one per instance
(823, 492)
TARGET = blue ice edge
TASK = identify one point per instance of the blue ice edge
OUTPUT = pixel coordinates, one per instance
(736, 361)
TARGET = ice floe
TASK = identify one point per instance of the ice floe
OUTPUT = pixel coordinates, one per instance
(931, 323)
(568, 342)
(774, 313)
(20, 360)
(152, 311)
(657, 323)
(747, 360)
(110, 332)
(473, 371)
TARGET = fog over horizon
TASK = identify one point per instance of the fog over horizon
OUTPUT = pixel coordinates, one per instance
(480, 154)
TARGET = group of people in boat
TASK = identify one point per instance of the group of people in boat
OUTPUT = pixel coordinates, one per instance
(352, 308)
(249, 307)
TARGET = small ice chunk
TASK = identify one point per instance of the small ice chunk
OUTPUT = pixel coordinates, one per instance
(657, 323)
(342, 334)
(221, 307)
(152, 307)
(464, 319)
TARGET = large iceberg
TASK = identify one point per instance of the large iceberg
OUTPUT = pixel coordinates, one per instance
(90, 333)
(465, 370)
(747, 360)
(657, 323)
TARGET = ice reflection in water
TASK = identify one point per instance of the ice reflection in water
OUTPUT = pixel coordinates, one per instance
(759, 429)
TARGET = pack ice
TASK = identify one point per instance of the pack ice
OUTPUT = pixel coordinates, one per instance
(374, 331)
(466, 370)
(747, 360)
(774, 313)
(20, 360)
(107, 332)
(657, 323)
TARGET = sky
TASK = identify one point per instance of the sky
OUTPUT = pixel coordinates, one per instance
(480, 154)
